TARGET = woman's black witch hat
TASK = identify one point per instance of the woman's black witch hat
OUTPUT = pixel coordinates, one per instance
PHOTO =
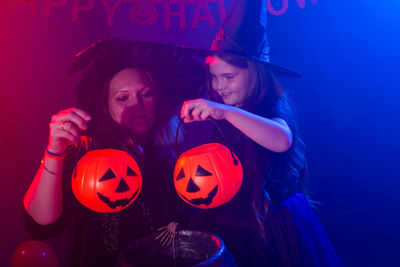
(179, 76)
(243, 33)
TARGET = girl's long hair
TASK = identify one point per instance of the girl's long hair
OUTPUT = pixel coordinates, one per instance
(285, 172)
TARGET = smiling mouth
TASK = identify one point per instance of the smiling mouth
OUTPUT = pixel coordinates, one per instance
(118, 203)
(203, 201)
(225, 94)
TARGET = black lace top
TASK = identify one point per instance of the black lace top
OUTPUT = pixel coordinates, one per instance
(97, 238)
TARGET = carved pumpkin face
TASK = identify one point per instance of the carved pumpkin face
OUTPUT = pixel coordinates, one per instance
(207, 176)
(106, 180)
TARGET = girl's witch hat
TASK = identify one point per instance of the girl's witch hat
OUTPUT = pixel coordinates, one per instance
(243, 33)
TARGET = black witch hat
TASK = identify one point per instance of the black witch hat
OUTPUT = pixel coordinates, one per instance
(243, 33)
(179, 76)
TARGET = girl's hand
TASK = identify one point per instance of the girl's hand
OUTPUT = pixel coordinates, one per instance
(65, 127)
(201, 110)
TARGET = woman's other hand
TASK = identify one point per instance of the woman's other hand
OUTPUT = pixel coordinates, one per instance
(202, 109)
(65, 128)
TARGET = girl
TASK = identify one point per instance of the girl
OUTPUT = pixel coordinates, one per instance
(269, 222)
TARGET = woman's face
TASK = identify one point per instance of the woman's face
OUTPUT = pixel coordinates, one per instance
(131, 101)
(231, 82)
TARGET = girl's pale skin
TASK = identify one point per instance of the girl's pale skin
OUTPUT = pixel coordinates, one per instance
(131, 103)
(233, 84)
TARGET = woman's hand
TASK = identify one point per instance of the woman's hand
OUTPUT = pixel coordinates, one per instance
(65, 127)
(201, 110)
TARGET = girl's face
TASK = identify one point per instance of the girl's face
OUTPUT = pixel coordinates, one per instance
(131, 101)
(231, 82)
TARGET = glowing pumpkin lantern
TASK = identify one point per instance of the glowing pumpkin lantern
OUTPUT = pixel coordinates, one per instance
(106, 180)
(208, 176)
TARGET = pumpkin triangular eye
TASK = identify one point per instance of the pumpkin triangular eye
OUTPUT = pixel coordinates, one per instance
(192, 187)
(108, 175)
(130, 172)
(122, 187)
(180, 175)
(202, 172)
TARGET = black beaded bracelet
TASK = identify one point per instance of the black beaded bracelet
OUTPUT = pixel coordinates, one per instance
(54, 156)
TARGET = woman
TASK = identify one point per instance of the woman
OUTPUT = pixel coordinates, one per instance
(269, 222)
(122, 106)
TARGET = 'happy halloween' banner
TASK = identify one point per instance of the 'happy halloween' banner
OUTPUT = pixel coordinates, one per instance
(143, 11)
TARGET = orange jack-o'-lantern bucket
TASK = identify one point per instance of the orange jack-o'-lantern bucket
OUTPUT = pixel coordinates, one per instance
(106, 180)
(208, 176)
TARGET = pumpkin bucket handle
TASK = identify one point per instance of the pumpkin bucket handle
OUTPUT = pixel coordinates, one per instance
(235, 161)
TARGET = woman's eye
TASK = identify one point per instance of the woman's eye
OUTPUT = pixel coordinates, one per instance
(229, 77)
(122, 98)
(147, 94)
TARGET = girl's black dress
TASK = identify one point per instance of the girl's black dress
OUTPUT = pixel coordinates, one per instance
(290, 233)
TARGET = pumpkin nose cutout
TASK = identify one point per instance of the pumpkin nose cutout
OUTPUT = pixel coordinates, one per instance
(122, 187)
(192, 187)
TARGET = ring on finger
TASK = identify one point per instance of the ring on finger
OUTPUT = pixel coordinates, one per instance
(61, 125)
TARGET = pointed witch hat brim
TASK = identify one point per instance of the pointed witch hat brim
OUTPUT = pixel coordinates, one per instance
(243, 33)
(179, 76)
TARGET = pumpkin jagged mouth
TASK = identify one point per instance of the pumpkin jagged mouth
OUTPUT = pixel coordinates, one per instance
(117, 203)
(206, 201)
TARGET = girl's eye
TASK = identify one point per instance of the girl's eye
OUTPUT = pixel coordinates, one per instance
(230, 77)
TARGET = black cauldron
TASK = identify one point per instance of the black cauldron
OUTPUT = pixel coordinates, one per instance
(191, 248)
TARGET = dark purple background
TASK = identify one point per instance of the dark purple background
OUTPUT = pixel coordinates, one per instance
(347, 103)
